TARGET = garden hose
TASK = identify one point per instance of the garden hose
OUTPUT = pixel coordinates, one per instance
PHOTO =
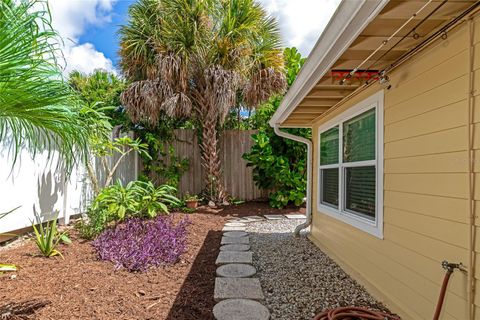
(358, 313)
(354, 313)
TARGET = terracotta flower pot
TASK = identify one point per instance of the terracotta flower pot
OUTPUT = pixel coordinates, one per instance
(192, 204)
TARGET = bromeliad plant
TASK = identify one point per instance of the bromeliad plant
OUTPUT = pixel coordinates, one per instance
(139, 244)
(47, 237)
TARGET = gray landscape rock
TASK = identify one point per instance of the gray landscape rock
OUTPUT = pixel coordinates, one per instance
(236, 270)
(274, 217)
(296, 216)
(238, 288)
(235, 234)
(253, 218)
(235, 247)
(226, 257)
(233, 229)
(240, 309)
(242, 240)
(235, 224)
(297, 278)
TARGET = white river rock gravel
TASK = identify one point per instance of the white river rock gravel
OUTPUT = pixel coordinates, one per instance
(297, 278)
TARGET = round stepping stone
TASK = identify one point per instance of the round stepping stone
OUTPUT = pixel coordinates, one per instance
(235, 234)
(235, 247)
(235, 224)
(236, 271)
(240, 309)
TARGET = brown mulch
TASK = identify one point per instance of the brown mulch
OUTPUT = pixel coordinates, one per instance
(83, 287)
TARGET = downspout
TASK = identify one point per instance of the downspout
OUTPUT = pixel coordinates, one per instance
(308, 142)
(471, 172)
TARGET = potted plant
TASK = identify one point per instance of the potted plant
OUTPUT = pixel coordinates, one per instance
(191, 201)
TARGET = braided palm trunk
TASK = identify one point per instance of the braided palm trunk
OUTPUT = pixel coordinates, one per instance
(211, 161)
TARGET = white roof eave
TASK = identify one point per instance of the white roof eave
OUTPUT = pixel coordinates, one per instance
(348, 21)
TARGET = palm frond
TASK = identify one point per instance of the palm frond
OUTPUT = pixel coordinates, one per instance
(263, 85)
(38, 110)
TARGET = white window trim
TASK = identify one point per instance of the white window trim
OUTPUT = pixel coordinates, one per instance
(374, 228)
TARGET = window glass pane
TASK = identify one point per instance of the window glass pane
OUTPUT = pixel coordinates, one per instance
(329, 146)
(360, 191)
(359, 138)
(330, 186)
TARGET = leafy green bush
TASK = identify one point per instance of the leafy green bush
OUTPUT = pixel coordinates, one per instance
(155, 199)
(160, 161)
(279, 164)
(116, 203)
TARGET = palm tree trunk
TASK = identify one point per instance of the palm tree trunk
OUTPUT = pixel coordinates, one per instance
(209, 146)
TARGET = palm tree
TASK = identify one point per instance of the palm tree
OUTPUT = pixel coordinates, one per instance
(199, 58)
(38, 110)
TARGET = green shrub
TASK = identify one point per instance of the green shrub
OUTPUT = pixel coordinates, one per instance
(279, 164)
(160, 162)
(116, 203)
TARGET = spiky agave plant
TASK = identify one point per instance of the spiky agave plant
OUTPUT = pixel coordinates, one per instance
(38, 110)
(200, 58)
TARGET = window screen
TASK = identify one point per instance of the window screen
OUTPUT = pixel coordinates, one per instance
(360, 190)
(359, 138)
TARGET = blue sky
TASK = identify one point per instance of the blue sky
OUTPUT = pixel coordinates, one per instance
(90, 27)
(104, 37)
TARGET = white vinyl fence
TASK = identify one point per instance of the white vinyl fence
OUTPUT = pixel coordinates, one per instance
(39, 186)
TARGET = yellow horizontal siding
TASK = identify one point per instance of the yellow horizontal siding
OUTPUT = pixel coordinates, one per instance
(441, 119)
(435, 206)
(425, 186)
(447, 231)
(442, 184)
(396, 275)
(450, 140)
(444, 95)
(449, 70)
(454, 162)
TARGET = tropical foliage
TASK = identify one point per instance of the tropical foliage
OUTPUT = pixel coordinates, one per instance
(47, 237)
(7, 267)
(200, 59)
(115, 203)
(140, 244)
(160, 164)
(106, 148)
(279, 164)
(101, 89)
(38, 110)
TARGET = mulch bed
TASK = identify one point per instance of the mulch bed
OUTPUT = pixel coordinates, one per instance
(83, 287)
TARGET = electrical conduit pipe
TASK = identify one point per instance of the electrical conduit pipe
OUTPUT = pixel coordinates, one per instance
(307, 142)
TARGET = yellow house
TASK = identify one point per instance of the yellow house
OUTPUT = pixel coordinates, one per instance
(391, 93)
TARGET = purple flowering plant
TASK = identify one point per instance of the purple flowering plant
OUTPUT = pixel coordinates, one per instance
(139, 244)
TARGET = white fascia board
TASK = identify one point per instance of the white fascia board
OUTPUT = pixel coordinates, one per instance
(348, 21)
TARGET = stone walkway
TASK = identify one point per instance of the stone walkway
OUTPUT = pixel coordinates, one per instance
(238, 292)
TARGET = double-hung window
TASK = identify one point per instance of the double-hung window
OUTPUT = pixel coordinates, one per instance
(351, 166)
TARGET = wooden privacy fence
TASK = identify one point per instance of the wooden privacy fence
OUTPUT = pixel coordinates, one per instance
(237, 178)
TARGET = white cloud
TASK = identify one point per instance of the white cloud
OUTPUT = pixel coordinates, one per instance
(85, 58)
(301, 21)
(71, 18)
